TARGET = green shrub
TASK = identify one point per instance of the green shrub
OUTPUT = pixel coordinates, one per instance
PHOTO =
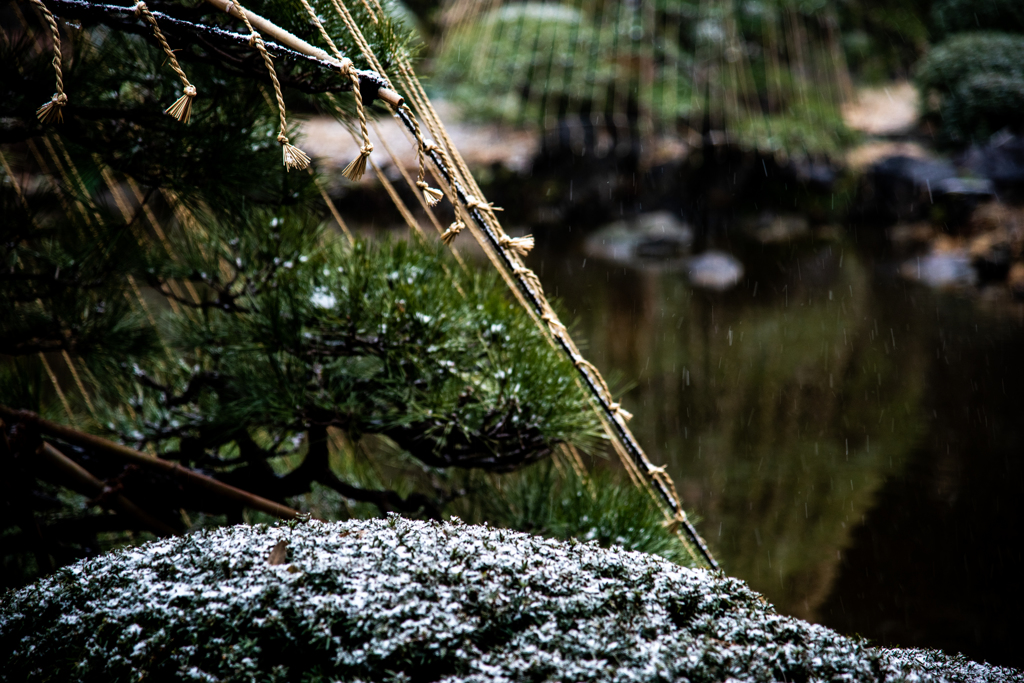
(974, 83)
(541, 500)
(396, 600)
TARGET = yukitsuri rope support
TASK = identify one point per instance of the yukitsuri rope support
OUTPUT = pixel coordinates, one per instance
(355, 170)
(458, 178)
(449, 235)
(182, 107)
(294, 158)
(507, 252)
(430, 194)
(52, 111)
(481, 215)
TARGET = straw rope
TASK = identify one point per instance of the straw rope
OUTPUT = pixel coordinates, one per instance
(294, 158)
(182, 107)
(479, 216)
(53, 111)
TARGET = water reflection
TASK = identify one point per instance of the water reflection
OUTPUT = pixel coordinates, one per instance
(782, 408)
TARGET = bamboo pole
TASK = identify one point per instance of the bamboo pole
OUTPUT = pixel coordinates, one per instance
(80, 438)
(284, 37)
(87, 484)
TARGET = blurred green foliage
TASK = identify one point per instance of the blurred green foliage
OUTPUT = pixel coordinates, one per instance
(960, 16)
(752, 67)
(974, 84)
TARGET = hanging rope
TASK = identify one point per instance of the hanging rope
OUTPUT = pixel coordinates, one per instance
(355, 170)
(294, 158)
(182, 107)
(52, 111)
(506, 254)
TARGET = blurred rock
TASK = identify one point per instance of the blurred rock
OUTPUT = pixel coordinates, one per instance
(888, 110)
(991, 256)
(1000, 161)
(911, 233)
(715, 270)
(771, 228)
(658, 236)
(904, 188)
(941, 268)
(1015, 280)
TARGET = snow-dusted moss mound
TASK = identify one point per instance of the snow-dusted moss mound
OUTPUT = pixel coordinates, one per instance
(400, 600)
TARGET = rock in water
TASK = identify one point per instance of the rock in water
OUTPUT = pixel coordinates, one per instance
(401, 600)
(650, 237)
(715, 270)
(942, 269)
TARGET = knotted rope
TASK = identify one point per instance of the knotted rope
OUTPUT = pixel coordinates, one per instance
(521, 246)
(449, 235)
(355, 170)
(294, 158)
(182, 107)
(52, 111)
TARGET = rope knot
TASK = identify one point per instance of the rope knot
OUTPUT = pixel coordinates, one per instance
(355, 170)
(346, 66)
(552, 321)
(430, 194)
(475, 203)
(254, 39)
(520, 245)
(678, 519)
(626, 417)
(52, 111)
(139, 8)
(182, 107)
(294, 158)
(429, 146)
(449, 235)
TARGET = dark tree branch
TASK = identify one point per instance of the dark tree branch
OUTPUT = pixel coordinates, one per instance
(224, 47)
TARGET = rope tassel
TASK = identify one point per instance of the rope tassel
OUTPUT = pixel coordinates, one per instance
(53, 111)
(294, 158)
(430, 194)
(519, 245)
(449, 235)
(355, 170)
(182, 107)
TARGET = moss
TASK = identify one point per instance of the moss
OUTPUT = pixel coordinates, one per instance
(399, 600)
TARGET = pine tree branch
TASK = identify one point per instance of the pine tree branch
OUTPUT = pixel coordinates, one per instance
(84, 482)
(228, 48)
(36, 345)
(84, 440)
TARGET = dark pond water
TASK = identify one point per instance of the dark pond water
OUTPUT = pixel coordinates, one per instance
(854, 444)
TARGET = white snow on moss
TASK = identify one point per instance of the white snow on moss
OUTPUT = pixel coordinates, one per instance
(413, 601)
